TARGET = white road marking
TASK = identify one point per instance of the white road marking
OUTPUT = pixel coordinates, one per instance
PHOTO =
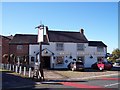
(94, 76)
(111, 84)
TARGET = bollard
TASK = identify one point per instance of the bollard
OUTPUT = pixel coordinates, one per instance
(24, 71)
(20, 70)
(2, 66)
(16, 69)
(10, 67)
(7, 66)
(13, 67)
(29, 72)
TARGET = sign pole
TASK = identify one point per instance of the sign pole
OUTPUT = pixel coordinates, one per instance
(40, 40)
(41, 62)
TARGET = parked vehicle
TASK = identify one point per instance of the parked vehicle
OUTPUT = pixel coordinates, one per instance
(102, 65)
(76, 66)
(116, 64)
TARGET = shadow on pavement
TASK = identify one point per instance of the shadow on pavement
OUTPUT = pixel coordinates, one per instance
(12, 81)
(115, 69)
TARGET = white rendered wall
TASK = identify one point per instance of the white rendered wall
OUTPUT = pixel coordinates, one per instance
(70, 49)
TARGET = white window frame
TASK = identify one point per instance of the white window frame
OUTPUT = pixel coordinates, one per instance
(19, 47)
(59, 47)
(80, 47)
(100, 49)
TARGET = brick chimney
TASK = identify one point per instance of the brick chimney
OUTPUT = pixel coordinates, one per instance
(46, 28)
(82, 31)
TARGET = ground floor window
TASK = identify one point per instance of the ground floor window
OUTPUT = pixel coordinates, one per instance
(59, 59)
(99, 59)
(80, 58)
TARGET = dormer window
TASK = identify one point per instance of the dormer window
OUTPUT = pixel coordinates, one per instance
(59, 46)
(80, 47)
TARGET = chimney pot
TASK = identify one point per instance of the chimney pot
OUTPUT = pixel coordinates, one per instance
(82, 31)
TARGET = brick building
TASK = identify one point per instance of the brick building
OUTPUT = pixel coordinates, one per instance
(4, 47)
(19, 46)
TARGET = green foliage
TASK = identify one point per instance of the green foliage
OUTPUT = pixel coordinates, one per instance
(115, 55)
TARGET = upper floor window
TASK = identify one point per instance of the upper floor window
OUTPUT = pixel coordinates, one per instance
(59, 46)
(100, 49)
(19, 47)
(80, 47)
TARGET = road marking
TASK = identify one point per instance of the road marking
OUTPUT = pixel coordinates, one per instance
(94, 76)
(110, 78)
(111, 84)
(76, 85)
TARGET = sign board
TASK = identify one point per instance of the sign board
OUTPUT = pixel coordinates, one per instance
(40, 34)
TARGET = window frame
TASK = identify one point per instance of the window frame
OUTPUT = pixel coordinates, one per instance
(80, 47)
(59, 48)
(100, 49)
(19, 47)
(59, 62)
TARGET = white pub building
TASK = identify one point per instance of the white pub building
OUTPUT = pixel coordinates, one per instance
(59, 48)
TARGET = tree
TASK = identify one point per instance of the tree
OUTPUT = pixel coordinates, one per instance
(115, 55)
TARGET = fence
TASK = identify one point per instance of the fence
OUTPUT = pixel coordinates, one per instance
(21, 69)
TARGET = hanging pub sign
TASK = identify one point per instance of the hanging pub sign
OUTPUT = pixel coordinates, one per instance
(40, 33)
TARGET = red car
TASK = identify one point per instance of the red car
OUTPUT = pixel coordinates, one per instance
(102, 65)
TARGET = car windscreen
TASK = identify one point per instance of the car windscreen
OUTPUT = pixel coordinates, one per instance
(79, 63)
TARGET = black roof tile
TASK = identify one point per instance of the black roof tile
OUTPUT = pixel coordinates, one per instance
(66, 36)
(96, 43)
(25, 39)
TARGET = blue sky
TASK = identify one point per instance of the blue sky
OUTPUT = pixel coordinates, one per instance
(98, 19)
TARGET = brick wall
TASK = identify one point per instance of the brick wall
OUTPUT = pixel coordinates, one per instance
(5, 48)
(19, 51)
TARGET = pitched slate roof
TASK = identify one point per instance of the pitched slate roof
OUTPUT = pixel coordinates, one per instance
(7, 37)
(25, 39)
(66, 36)
(97, 43)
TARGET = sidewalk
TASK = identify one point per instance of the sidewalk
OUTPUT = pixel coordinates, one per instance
(76, 75)
(71, 75)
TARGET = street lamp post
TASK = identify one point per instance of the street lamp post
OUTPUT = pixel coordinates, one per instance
(40, 40)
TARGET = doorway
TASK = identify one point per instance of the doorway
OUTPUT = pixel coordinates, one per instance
(46, 62)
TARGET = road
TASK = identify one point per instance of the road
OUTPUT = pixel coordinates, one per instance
(12, 81)
(106, 82)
